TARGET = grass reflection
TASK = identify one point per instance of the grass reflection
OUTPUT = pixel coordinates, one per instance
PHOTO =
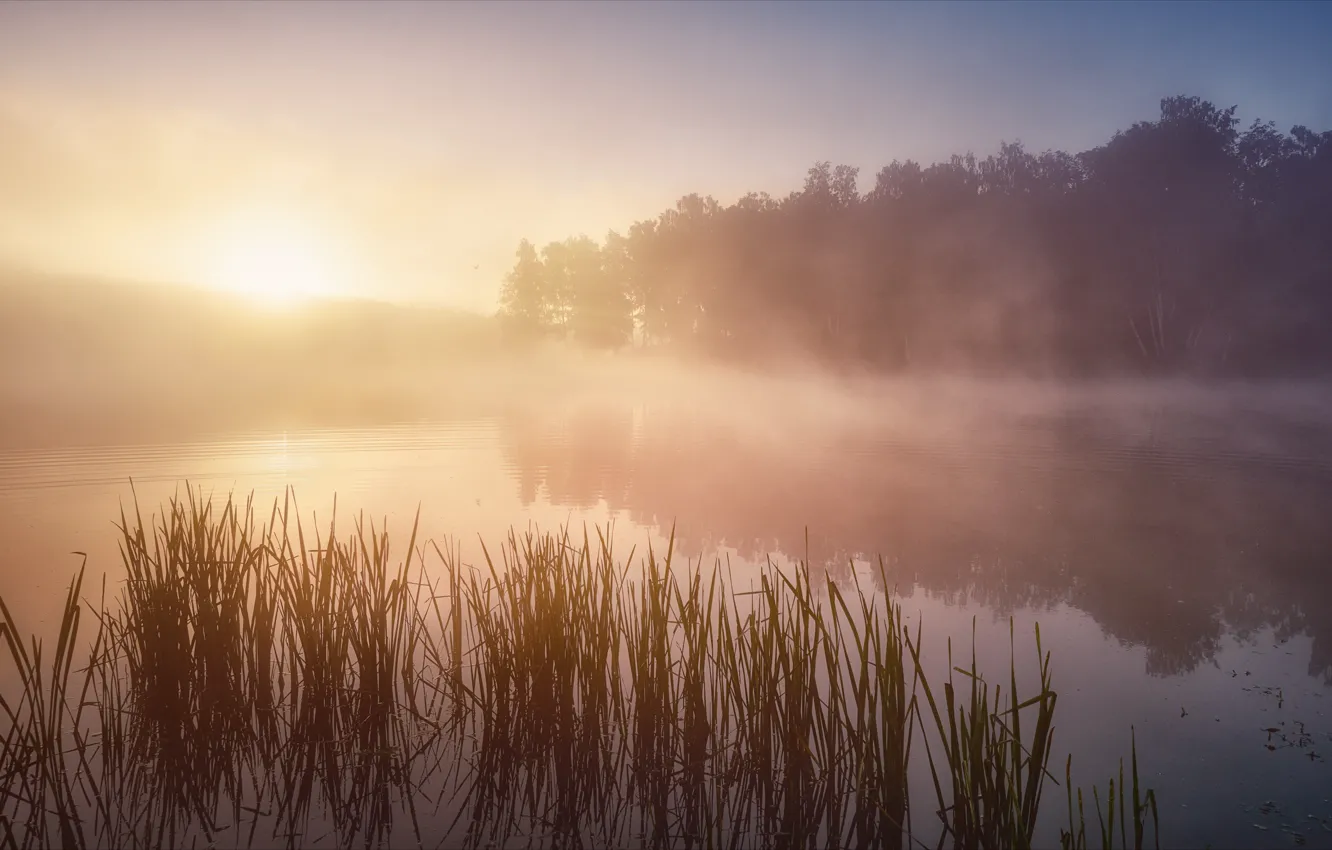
(255, 682)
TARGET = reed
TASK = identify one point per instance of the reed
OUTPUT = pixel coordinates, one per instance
(1143, 802)
(996, 777)
(39, 791)
(256, 684)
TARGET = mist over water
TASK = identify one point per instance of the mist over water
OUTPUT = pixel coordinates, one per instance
(1169, 536)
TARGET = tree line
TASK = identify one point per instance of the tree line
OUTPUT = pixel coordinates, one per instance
(1180, 246)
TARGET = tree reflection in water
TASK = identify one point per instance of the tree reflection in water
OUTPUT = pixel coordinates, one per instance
(1168, 547)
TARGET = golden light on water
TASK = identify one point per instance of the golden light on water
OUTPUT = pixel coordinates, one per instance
(277, 259)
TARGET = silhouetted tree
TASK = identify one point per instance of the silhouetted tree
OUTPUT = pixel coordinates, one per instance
(557, 261)
(523, 298)
(1181, 245)
(599, 313)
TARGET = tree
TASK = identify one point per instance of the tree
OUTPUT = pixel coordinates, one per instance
(523, 295)
(600, 313)
(559, 289)
(1178, 245)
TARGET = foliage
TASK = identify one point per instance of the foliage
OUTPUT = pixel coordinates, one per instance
(1181, 245)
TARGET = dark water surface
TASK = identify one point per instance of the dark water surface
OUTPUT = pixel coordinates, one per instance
(1174, 545)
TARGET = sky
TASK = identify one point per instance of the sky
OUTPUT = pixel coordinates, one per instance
(401, 150)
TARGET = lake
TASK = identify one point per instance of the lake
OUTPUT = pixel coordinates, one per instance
(1170, 539)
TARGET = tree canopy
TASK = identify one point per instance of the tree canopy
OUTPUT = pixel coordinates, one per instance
(1180, 246)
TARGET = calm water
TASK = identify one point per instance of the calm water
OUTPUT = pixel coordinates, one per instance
(1174, 546)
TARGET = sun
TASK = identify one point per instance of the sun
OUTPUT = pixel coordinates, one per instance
(274, 259)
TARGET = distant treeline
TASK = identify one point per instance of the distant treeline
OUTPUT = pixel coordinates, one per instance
(1181, 246)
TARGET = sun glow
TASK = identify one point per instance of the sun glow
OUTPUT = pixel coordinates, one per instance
(273, 259)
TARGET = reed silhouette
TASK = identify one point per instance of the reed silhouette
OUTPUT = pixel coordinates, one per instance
(254, 685)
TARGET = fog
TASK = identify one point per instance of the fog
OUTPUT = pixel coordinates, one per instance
(99, 359)
(1163, 531)
(1124, 497)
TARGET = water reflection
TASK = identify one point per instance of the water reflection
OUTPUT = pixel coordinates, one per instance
(1168, 547)
(1171, 537)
